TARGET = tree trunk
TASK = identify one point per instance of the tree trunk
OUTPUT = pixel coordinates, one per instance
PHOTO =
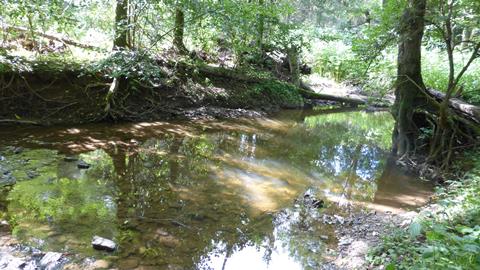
(294, 64)
(409, 86)
(121, 25)
(179, 31)
(261, 27)
(468, 111)
(119, 43)
(466, 35)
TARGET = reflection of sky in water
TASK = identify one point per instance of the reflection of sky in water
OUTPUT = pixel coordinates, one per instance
(252, 257)
(369, 160)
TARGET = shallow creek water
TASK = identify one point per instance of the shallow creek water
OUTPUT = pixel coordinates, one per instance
(202, 194)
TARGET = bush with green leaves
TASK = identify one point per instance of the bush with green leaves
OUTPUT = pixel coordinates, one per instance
(338, 61)
(134, 65)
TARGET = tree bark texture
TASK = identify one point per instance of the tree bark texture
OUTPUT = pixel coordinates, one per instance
(409, 87)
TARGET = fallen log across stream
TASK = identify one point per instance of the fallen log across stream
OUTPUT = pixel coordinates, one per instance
(467, 110)
(308, 92)
(305, 90)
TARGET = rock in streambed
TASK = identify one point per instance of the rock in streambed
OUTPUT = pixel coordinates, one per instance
(100, 243)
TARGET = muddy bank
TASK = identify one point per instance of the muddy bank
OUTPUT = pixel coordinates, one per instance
(81, 96)
(361, 232)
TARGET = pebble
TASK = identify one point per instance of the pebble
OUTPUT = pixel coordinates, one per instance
(50, 260)
(100, 243)
(345, 242)
(101, 264)
(161, 232)
(340, 219)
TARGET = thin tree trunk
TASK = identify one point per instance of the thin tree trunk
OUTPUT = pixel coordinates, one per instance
(294, 65)
(121, 25)
(261, 27)
(410, 84)
(466, 35)
(120, 42)
(179, 31)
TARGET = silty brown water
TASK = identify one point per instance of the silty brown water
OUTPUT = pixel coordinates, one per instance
(203, 194)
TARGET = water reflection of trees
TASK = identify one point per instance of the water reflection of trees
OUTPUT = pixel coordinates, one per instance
(182, 197)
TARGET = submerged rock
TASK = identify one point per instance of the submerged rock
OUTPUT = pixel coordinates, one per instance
(83, 165)
(129, 263)
(309, 200)
(6, 178)
(51, 260)
(100, 243)
(8, 261)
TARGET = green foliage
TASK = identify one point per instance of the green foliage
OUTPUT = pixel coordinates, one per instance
(275, 93)
(435, 74)
(13, 63)
(447, 237)
(53, 63)
(135, 65)
(338, 61)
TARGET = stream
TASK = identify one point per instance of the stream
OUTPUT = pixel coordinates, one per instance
(263, 193)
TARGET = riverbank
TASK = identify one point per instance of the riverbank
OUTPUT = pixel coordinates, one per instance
(49, 91)
(54, 91)
(441, 235)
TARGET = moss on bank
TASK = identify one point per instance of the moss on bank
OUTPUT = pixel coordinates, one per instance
(445, 235)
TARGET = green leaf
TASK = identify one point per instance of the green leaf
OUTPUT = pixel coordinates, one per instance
(415, 229)
(390, 267)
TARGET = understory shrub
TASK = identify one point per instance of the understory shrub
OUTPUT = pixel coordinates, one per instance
(337, 61)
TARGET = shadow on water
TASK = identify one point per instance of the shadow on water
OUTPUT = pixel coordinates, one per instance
(205, 194)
